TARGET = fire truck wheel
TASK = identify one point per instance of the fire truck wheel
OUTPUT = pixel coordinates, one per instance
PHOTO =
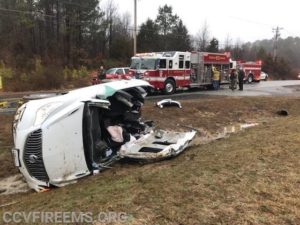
(250, 78)
(170, 87)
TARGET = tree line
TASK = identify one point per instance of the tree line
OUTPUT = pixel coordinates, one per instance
(66, 32)
(44, 40)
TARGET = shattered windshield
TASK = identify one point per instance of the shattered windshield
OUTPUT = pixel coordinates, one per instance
(144, 64)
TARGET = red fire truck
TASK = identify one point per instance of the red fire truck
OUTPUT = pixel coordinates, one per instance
(168, 71)
(252, 69)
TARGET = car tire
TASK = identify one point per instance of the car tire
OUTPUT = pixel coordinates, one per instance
(170, 87)
(250, 79)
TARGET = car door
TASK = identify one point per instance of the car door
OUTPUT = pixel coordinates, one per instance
(119, 74)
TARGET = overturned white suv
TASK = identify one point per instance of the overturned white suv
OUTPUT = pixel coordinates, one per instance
(60, 139)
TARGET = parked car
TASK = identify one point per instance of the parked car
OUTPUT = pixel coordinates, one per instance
(60, 139)
(118, 73)
(263, 76)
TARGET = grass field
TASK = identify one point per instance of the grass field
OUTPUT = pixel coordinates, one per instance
(252, 177)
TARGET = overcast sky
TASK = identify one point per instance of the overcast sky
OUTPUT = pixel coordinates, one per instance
(243, 20)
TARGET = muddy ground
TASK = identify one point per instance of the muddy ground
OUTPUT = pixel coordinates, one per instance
(252, 177)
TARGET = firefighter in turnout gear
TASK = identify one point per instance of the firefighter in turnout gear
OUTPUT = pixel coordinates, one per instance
(241, 76)
(233, 80)
(215, 78)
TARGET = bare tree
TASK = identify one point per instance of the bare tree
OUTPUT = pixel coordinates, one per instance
(126, 21)
(202, 37)
(228, 43)
(110, 10)
(237, 50)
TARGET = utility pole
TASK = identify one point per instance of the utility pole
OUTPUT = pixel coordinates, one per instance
(275, 43)
(135, 29)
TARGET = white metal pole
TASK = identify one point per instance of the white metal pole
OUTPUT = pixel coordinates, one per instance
(135, 29)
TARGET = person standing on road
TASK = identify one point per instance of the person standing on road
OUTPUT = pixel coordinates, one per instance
(241, 76)
(101, 73)
(233, 79)
(216, 78)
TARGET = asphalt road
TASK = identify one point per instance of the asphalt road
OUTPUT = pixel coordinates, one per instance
(263, 88)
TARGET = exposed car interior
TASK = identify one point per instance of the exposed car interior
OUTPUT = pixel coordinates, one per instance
(106, 130)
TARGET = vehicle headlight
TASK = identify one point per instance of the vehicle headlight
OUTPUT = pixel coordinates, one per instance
(18, 116)
(19, 113)
(45, 111)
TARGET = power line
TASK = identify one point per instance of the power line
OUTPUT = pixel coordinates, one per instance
(105, 24)
(250, 21)
(276, 37)
(40, 14)
(33, 13)
(289, 32)
(73, 4)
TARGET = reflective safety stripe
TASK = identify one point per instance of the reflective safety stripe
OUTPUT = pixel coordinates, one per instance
(182, 78)
(252, 68)
(155, 79)
(162, 79)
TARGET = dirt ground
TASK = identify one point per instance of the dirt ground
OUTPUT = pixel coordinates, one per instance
(213, 113)
(251, 177)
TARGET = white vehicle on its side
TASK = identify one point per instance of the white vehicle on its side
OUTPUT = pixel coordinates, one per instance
(60, 139)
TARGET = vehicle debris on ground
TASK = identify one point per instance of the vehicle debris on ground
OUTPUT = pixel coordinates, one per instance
(168, 102)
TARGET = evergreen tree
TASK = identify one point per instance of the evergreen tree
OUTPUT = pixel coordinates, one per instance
(179, 38)
(213, 45)
(173, 33)
(165, 20)
(148, 37)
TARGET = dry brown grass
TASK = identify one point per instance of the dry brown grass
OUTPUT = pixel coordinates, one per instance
(6, 163)
(249, 178)
(214, 113)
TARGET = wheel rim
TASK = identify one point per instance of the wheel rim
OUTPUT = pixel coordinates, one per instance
(169, 87)
(250, 79)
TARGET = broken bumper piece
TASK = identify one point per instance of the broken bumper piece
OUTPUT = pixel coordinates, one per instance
(156, 147)
(168, 102)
